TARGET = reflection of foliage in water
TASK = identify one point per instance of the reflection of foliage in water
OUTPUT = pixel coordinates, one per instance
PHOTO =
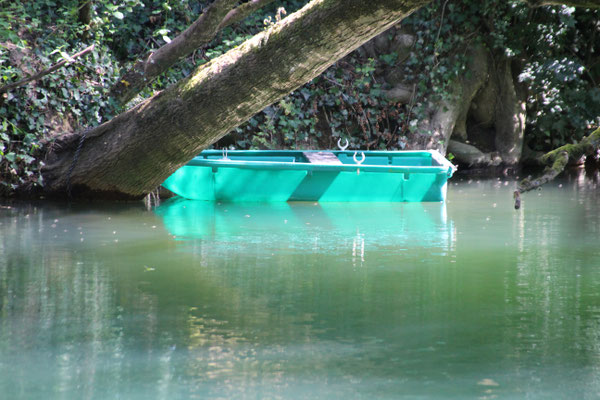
(214, 316)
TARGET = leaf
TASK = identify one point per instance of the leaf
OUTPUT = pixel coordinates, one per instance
(29, 138)
(305, 93)
(27, 159)
(118, 15)
(11, 156)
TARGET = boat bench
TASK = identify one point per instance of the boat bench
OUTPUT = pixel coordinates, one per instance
(321, 157)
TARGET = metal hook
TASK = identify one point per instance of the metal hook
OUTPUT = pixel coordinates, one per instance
(359, 162)
(362, 159)
(342, 148)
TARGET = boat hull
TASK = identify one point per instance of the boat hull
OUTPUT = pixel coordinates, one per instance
(241, 178)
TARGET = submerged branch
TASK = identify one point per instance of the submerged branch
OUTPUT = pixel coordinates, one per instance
(557, 160)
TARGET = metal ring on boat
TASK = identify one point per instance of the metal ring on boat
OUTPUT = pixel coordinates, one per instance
(342, 148)
(362, 159)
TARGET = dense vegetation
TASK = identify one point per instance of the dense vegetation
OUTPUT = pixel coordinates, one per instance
(555, 48)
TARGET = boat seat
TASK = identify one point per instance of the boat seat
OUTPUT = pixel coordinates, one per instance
(321, 157)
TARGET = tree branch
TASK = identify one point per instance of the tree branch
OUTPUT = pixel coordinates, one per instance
(216, 17)
(557, 159)
(242, 11)
(45, 72)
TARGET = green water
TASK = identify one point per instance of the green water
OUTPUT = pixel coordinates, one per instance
(470, 299)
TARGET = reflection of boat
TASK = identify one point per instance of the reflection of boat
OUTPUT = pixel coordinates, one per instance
(299, 224)
(330, 176)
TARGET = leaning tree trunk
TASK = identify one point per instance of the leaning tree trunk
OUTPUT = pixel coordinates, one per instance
(133, 153)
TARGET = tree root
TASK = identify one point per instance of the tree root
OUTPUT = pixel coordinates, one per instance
(556, 161)
(473, 157)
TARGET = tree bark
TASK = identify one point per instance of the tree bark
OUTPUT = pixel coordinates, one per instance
(136, 151)
(510, 115)
(216, 17)
(85, 12)
(242, 11)
(473, 157)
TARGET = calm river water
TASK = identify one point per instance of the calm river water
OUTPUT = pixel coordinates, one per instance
(468, 299)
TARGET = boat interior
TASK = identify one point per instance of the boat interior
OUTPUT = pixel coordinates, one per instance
(349, 157)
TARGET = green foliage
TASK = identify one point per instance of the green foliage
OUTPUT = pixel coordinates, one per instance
(556, 47)
(72, 97)
(345, 102)
(35, 35)
(348, 99)
(563, 76)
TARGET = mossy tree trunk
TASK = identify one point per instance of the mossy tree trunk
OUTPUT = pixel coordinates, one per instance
(133, 153)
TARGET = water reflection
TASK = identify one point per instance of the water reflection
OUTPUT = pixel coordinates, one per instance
(204, 300)
(334, 228)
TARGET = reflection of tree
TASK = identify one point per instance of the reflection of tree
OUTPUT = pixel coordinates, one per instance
(61, 320)
(552, 291)
(55, 305)
(129, 304)
(216, 315)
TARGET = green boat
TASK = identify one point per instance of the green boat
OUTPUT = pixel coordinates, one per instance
(324, 176)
